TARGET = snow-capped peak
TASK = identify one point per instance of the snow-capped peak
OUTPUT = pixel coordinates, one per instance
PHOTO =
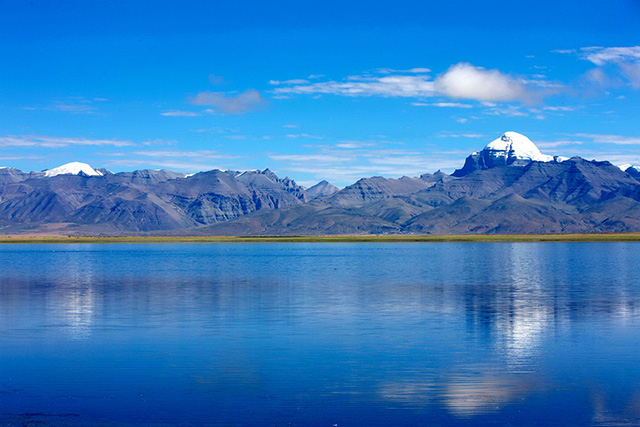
(515, 145)
(73, 168)
(628, 166)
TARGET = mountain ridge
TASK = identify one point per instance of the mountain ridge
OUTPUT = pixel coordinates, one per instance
(508, 187)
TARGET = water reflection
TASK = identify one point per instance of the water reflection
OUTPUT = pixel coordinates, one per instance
(451, 332)
(72, 301)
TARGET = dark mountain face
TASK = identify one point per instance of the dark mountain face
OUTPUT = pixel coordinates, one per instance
(139, 201)
(508, 187)
(573, 196)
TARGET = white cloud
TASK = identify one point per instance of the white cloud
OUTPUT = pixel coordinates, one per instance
(230, 103)
(180, 114)
(465, 81)
(56, 142)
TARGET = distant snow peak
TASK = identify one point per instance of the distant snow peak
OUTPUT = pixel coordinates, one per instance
(73, 168)
(512, 145)
(628, 166)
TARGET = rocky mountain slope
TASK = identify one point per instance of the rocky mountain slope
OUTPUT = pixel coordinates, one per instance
(132, 202)
(508, 187)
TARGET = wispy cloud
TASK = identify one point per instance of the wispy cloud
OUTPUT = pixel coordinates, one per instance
(71, 104)
(21, 157)
(216, 80)
(180, 114)
(610, 139)
(347, 162)
(509, 111)
(604, 55)
(55, 142)
(289, 82)
(175, 165)
(625, 59)
(75, 108)
(304, 135)
(304, 158)
(555, 144)
(442, 104)
(199, 154)
(461, 135)
(355, 144)
(622, 64)
(230, 103)
(417, 70)
(177, 160)
(385, 86)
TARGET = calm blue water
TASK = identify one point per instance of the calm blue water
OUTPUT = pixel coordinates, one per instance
(320, 334)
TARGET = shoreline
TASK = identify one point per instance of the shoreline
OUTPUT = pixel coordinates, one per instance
(587, 237)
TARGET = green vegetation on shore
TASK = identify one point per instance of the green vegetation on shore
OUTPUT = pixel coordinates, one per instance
(595, 237)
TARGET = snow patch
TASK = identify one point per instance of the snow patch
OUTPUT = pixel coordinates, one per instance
(73, 168)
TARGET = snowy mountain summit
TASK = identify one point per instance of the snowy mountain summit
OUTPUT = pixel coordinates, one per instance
(511, 148)
(73, 168)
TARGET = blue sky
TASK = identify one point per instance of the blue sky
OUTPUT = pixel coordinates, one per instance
(327, 90)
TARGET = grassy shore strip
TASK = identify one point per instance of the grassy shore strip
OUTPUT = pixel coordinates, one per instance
(601, 237)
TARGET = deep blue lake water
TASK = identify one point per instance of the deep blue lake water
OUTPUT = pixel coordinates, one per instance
(320, 334)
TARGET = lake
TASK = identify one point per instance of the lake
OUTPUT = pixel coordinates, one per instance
(352, 334)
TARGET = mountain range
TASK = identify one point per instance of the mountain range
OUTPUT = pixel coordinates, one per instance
(507, 187)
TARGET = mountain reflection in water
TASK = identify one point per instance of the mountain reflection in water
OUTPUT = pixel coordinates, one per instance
(321, 334)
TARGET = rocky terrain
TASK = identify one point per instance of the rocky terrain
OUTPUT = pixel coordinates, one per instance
(508, 187)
